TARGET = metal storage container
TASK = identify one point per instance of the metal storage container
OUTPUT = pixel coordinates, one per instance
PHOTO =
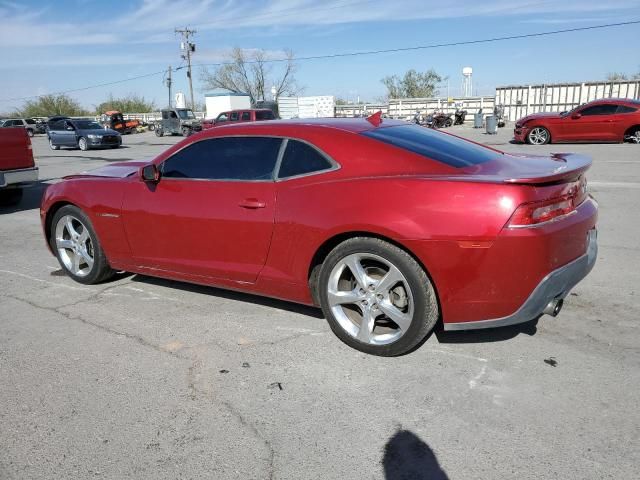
(492, 124)
(477, 120)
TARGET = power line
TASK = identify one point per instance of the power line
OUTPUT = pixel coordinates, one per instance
(435, 45)
(354, 54)
(62, 92)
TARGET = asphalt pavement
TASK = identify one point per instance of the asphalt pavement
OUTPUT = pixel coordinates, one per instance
(152, 379)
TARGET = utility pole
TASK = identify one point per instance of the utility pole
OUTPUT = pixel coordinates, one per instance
(188, 48)
(168, 81)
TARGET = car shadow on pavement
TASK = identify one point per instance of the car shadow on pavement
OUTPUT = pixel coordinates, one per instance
(231, 295)
(31, 197)
(408, 457)
(486, 335)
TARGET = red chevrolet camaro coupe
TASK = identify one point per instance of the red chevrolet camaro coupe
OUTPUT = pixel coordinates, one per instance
(611, 120)
(387, 226)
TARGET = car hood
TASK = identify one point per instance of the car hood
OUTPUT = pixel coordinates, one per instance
(538, 116)
(115, 170)
(98, 131)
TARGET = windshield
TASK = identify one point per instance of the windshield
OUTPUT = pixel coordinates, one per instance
(570, 112)
(186, 114)
(87, 125)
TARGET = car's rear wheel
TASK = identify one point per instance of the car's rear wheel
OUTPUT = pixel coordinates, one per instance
(52, 146)
(376, 297)
(539, 136)
(159, 132)
(82, 144)
(77, 247)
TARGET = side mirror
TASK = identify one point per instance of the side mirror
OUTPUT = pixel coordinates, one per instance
(150, 173)
(576, 116)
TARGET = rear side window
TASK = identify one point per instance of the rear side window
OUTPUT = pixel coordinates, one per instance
(441, 147)
(625, 109)
(234, 116)
(266, 115)
(227, 158)
(30, 121)
(300, 158)
(246, 116)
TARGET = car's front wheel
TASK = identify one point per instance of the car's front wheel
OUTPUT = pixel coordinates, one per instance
(52, 146)
(186, 131)
(159, 132)
(376, 297)
(539, 136)
(77, 247)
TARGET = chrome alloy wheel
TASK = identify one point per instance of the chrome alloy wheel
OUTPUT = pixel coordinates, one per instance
(74, 246)
(370, 298)
(538, 136)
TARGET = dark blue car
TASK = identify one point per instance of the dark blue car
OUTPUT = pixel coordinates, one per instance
(82, 134)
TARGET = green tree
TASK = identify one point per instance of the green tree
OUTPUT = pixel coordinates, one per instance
(413, 84)
(130, 104)
(49, 105)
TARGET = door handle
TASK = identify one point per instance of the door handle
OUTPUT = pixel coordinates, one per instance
(252, 203)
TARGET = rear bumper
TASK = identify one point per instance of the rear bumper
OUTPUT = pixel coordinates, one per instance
(556, 285)
(23, 175)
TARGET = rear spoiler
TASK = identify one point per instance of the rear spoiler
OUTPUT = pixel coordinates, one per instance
(570, 166)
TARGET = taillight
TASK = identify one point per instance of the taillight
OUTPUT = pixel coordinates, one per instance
(534, 213)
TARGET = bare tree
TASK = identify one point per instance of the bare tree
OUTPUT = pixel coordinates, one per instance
(252, 73)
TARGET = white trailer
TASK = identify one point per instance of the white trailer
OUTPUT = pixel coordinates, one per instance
(217, 103)
(307, 107)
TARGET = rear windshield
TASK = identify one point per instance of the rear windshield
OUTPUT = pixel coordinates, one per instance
(434, 145)
(265, 115)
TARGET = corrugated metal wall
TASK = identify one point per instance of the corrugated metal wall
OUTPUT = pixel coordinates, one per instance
(522, 100)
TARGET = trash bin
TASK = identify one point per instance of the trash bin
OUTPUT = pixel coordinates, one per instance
(477, 120)
(492, 124)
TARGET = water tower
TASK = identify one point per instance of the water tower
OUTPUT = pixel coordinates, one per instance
(467, 83)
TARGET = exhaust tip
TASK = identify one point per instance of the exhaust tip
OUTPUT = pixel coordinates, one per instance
(553, 307)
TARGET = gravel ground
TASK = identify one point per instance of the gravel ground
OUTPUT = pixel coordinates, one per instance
(151, 379)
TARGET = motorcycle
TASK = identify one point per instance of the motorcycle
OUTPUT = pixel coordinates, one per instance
(442, 120)
(459, 117)
(498, 111)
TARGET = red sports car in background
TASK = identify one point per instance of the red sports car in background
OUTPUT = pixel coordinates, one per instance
(387, 226)
(609, 120)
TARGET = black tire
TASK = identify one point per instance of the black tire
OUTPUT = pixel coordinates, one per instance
(83, 144)
(152, 127)
(632, 135)
(448, 123)
(186, 131)
(425, 308)
(159, 132)
(29, 132)
(101, 270)
(10, 196)
(52, 146)
(543, 131)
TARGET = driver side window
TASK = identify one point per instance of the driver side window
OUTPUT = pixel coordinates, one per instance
(226, 158)
(599, 110)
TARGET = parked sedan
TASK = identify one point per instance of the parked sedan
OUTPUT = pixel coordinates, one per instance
(82, 134)
(389, 227)
(27, 123)
(610, 120)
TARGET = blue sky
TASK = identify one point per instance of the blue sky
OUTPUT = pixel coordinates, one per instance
(49, 46)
